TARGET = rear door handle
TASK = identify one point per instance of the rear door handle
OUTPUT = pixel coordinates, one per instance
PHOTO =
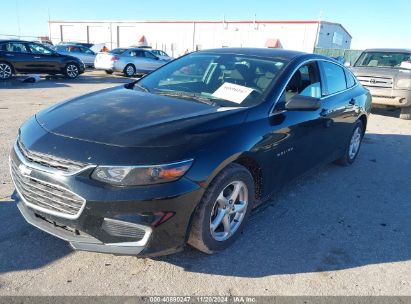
(325, 112)
(9, 55)
(37, 57)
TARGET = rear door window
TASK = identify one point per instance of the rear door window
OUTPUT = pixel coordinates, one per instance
(15, 47)
(350, 79)
(334, 77)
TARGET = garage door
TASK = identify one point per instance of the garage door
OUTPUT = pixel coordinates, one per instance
(68, 33)
(127, 36)
(98, 34)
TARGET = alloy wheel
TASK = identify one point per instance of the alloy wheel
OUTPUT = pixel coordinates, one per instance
(5, 71)
(72, 71)
(130, 71)
(355, 143)
(229, 211)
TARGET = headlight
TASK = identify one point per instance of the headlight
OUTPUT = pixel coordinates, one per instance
(404, 83)
(141, 175)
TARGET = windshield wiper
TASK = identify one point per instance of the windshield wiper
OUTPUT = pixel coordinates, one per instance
(196, 97)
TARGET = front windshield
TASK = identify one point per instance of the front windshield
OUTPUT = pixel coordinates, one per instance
(383, 59)
(221, 79)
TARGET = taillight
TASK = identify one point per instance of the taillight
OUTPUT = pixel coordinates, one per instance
(114, 58)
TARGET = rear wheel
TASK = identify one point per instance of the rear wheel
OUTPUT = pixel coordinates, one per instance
(353, 146)
(129, 70)
(405, 113)
(6, 71)
(71, 71)
(223, 210)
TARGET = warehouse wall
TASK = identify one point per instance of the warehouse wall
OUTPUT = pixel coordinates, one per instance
(177, 37)
(333, 36)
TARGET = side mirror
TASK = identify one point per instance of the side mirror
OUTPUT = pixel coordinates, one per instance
(303, 103)
(347, 64)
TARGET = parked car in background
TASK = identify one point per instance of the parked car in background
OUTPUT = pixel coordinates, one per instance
(129, 61)
(18, 56)
(185, 153)
(162, 55)
(387, 74)
(85, 44)
(84, 54)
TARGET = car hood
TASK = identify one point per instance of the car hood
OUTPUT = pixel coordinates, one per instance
(130, 118)
(380, 72)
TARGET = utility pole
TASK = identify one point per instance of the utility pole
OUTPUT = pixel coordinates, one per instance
(18, 19)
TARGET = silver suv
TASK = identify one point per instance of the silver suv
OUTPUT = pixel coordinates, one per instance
(387, 74)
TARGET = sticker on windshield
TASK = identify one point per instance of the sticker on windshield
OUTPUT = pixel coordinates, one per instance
(232, 92)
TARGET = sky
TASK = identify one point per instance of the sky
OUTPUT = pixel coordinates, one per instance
(371, 23)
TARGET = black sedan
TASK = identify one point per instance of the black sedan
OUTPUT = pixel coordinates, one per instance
(18, 56)
(184, 154)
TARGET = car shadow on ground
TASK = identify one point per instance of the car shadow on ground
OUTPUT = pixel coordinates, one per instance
(391, 112)
(331, 219)
(22, 245)
(60, 81)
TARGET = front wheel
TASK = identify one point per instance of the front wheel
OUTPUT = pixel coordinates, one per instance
(109, 72)
(223, 210)
(71, 71)
(353, 146)
(6, 71)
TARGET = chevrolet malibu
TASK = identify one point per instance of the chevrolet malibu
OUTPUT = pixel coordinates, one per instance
(184, 154)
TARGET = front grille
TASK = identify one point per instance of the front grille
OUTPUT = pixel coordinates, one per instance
(46, 197)
(378, 82)
(50, 161)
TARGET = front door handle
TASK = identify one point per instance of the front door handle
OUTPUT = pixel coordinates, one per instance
(352, 102)
(37, 57)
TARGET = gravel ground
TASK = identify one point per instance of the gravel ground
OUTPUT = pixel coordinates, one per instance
(336, 231)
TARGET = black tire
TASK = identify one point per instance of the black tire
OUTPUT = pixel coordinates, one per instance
(6, 71)
(129, 70)
(109, 72)
(71, 71)
(405, 113)
(348, 158)
(200, 236)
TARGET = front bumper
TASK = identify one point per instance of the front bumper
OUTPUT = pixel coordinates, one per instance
(117, 220)
(390, 97)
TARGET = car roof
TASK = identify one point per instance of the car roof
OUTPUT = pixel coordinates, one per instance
(259, 52)
(387, 50)
(14, 40)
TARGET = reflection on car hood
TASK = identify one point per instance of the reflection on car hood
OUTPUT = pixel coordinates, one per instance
(124, 117)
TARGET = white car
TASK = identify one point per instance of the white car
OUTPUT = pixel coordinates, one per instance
(129, 61)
